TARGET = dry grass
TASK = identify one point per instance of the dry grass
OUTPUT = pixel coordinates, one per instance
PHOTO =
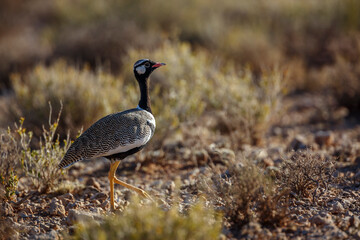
(41, 164)
(147, 221)
(215, 86)
(85, 95)
(306, 174)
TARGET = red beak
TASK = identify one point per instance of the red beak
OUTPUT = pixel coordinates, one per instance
(156, 65)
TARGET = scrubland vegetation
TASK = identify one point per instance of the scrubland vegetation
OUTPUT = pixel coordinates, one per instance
(257, 115)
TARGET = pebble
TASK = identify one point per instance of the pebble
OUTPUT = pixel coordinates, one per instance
(66, 198)
(355, 221)
(50, 235)
(169, 185)
(357, 176)
(100, 196)
(275, 151)
(298, 143)
(322, 220)
(156, 184)
(6, 209)
(105, 204)
(357, 161)
(268, 162)
(337, 207)
(324, 138)
(201, 156)
(56, 208)
(34, 230)
(227, 155)
(23, 214)
(80, 215)
(93, 182)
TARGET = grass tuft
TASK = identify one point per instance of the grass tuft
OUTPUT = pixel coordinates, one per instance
(147, 221)
(41, 164)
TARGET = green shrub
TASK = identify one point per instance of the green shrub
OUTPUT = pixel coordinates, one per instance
(9, 164)
(150, 222)
(41, 164)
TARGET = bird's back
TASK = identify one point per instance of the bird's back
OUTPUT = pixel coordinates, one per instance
(116, 133)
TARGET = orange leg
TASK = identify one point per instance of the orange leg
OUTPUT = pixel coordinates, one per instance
(113, 179)
(113, 167)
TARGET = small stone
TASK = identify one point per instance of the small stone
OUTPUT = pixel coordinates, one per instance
(185, 153)
(6, 209)
(51, 235)
(261, 154)
(44, 226)
(227, 155)
(156, 184)
(158, 154)
(56, 208)
(251, 229)
(337, 207)
(275, 151)
(355, 221)
(268, 162)
(93, 182)
(298, 143)
(79, 215)
(66, 198)
(23, 214)
(322, 220)
(357, 161)
(357, 176)
(324, 138)
(99, 196)
(71, 205)
(105, 204)
(278, 162)
(201, 156)
(34, 230)
(169, 185)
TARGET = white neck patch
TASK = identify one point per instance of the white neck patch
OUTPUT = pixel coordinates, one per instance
(141, 69)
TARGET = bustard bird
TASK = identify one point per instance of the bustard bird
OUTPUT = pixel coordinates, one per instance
(118, 135)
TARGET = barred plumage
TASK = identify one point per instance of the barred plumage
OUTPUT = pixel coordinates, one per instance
(115, 133)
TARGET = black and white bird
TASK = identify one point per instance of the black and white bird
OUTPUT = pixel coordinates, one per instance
(119, 135)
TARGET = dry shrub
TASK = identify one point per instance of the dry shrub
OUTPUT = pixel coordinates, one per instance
(85, 95)
(257, 32)
(193, 83)
(9, 164)
(342, 78)
(147, 221)
(190, 84)
(306, 174)
(246, 194)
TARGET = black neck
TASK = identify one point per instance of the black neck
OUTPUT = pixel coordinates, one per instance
(144, 102)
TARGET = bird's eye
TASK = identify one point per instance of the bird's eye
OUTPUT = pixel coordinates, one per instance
(147, 64)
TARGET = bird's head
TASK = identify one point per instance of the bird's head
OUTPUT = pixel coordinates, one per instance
(144, 67)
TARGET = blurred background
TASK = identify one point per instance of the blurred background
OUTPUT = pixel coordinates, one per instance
(230, 64)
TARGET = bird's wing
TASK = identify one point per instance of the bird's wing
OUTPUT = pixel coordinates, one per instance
(115, 133)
